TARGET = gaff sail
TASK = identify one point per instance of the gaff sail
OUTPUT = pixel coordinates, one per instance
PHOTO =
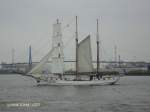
(85, 56)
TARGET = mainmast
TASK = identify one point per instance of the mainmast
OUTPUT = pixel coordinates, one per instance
(77, 77)
(97, 41)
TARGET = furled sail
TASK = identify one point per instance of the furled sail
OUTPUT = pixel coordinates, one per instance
(58, 56)
(85, 56)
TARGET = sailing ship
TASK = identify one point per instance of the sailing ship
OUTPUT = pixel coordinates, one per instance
(83, 74)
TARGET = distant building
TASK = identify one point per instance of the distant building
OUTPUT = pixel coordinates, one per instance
(148, 66)
(128, 66)
(8, 67)
(14, 67)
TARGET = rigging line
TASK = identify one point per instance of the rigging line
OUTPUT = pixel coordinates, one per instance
(106, 53)
(38, 40)
(102, 48)
(101, 45)
(37, 51)
(46, 42)
(82, 35)
(65, 45)
(69, 30)
(68, 24)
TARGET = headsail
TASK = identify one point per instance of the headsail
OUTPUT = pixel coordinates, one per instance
(85, 56)
(38, 69)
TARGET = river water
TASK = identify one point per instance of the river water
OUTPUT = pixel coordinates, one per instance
(20, 94)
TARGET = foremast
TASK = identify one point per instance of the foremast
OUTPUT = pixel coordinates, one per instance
(58, 55)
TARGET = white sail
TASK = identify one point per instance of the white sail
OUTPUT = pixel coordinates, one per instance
(85, 56)
(38, 69)
(58, 56)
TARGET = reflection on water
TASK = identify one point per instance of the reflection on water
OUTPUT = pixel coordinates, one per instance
(131, 94)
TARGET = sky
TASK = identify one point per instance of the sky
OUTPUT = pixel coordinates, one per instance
(124, 23)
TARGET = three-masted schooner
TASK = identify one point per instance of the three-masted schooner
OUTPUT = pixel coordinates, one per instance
(83, 63)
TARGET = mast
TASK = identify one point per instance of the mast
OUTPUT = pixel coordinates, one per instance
(13, 55)
(119, 60)
(77, 77)
(97, 41)
(30, 57)
(57, 66)
(115, 55)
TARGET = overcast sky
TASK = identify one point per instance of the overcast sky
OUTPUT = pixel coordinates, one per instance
(124, 23)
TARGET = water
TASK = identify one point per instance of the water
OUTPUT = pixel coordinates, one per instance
(131, 94)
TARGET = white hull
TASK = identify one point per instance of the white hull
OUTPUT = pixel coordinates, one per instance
(78, 83)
